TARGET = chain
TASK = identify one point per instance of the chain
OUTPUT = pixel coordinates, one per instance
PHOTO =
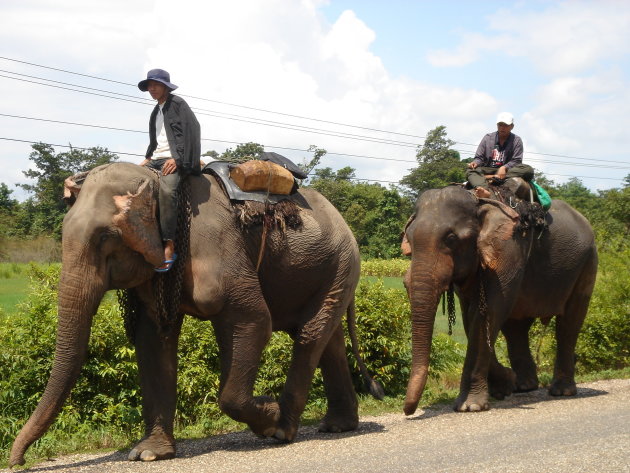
(128, 303)
(450, 303)
(483, 310)
(168, 286)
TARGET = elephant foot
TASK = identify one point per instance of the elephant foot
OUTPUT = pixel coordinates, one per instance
(336, 422)
(563, 388)
(268, 414)
(155, 447)
(502, 383)
(526, 383)
(471, 403)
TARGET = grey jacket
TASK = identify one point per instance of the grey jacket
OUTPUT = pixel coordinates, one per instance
(183, 133)
(510, 154)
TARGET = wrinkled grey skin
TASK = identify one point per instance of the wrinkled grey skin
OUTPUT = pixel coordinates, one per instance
(457, 238)
(305, 285)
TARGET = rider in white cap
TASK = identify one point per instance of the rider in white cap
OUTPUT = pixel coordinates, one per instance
(500, 154)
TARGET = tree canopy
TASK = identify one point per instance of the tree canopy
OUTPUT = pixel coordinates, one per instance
(438, 164)
(43, 212)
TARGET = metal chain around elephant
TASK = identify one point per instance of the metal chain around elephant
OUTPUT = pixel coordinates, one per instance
(168, 286)
(483, 310)
(128, 302)
(450, 304)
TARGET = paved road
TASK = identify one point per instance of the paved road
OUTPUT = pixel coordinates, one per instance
(529, 432)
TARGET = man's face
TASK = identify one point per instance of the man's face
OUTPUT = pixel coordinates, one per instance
(504, 129)
(157, 90)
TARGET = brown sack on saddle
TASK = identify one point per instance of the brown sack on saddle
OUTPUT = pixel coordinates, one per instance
(256, 175)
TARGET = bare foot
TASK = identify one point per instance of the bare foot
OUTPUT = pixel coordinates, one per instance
(482, 192)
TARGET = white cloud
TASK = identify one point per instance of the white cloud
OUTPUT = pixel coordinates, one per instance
(283, 55)
(565, 38)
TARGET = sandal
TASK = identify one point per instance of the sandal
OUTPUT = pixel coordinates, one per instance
(168, 263)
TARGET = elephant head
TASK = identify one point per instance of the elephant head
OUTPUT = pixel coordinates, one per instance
(453, 238)
(110, 240)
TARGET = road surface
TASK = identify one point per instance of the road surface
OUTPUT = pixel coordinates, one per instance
(529, 432)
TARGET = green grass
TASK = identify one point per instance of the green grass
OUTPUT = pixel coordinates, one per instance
(12, 291)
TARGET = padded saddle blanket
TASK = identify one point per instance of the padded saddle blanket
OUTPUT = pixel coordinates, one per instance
(221, 170)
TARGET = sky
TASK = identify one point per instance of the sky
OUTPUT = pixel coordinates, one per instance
(365, 80)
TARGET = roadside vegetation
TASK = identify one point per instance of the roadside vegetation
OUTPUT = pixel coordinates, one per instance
(103, 411)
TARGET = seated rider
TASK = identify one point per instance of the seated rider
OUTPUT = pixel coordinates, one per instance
(500, 155)
(174, 150)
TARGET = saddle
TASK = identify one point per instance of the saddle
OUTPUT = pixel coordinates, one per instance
(523, 197)
(258, 181)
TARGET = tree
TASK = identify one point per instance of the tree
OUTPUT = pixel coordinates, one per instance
(375, 215)
(243, 152)
(44, 213)
(438, 164)
(7, 204)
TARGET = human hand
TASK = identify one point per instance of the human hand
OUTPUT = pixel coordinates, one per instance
(501, 172)
(472, 165)
(169, 167)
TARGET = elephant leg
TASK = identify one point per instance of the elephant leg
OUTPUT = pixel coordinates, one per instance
(342, 414)
(309, 344)
(473, 389)
(517, 336)
(157, 365)
(501, 379)
(241, 337)
(568, 327)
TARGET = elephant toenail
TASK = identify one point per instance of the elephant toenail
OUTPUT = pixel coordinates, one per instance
(148, 456)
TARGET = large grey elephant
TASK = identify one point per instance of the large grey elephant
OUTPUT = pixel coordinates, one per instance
(304, 285)
(506, 273)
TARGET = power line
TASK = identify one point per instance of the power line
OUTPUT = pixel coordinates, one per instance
(270, 123)
(219, 101)
(215, 114)
(295, 149)
(358, 179)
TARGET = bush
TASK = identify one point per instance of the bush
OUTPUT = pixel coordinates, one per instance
(385, 267)
(604, 342)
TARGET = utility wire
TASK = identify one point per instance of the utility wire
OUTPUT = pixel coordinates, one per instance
(210, 113)
(296, 149)
(357, 179)
(266, 110)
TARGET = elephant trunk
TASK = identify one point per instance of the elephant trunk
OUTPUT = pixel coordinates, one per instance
(80, 292)
(425, 291)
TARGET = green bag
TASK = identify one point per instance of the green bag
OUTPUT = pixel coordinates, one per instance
(543, 197)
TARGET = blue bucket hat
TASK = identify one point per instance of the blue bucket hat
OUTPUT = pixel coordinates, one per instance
(159, 75)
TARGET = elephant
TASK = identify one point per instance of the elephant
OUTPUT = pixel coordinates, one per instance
(506, 273)
(304, 285)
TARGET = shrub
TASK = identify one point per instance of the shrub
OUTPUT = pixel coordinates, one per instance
(385, 267)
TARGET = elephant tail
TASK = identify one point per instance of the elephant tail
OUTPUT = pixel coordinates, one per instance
(375, 388)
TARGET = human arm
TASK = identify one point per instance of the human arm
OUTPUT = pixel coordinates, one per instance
(517, 154)
(480, 154)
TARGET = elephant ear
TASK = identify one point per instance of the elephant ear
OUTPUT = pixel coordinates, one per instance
(72, 186)
(405, 246)
(137, 220)
(495, 242)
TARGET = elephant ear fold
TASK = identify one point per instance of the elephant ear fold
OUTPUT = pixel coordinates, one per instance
(495, 241)
(72, 186)
(136, 217)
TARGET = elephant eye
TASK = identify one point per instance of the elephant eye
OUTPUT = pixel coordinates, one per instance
(107, 234)
(451, 239)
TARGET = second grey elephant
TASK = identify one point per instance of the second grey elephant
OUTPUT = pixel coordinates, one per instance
(304, 286)
(505, 276)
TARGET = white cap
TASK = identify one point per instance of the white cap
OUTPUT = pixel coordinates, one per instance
(505, 117)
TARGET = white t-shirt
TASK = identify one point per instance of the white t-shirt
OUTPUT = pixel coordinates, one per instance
(163, 150)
